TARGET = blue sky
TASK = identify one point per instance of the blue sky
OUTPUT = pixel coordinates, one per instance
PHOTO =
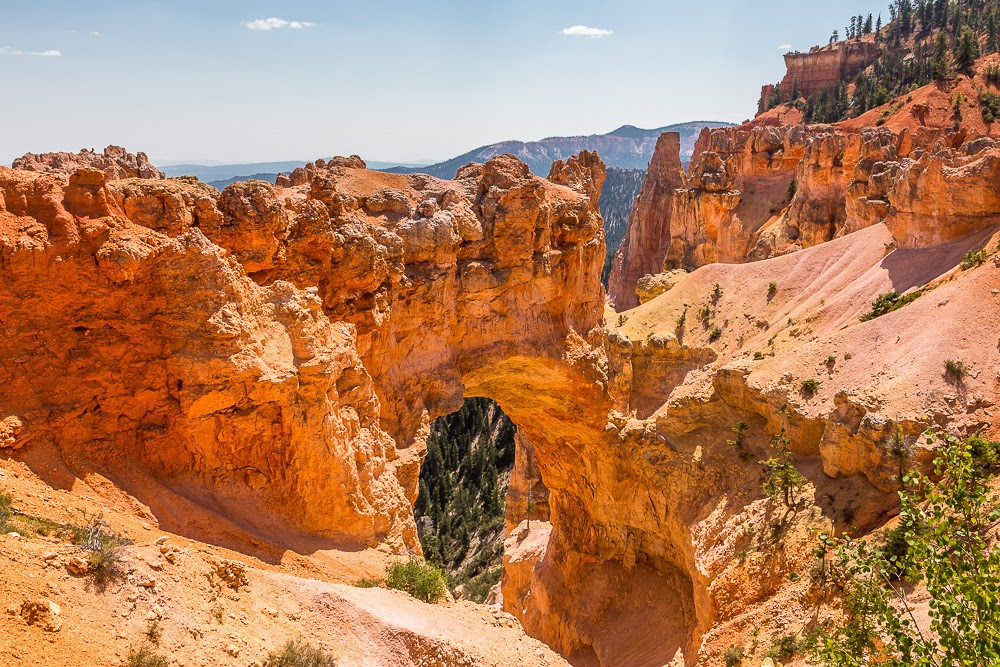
(393, 80)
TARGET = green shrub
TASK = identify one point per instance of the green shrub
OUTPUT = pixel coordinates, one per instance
(783, 648)
(781, 478)
(889, 302)
(992, 75)
(974, 258)
(622, 319)
(368, 583)
(421, 580)
(985, 453)
(705, 315)
(299, 654)
(810, 386)
(758, 356)
(145, 657)
(772, 289)
(715, 335)
(956, 369)
(104, 547)
(989, 106)
(734, 654)
(944, 539)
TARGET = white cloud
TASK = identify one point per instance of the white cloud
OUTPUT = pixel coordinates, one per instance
(94, 34)
(785, 47)
(275, 23)
(10, 51)
(587, 31)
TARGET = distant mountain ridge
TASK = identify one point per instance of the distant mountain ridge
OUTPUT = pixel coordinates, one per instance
(628, 147)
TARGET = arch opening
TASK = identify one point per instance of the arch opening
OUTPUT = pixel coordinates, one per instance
(478, 481)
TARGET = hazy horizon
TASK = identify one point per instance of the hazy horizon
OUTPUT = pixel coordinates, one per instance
(244, 82)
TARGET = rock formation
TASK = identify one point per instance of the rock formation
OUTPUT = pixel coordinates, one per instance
(263, 392)
(644, 246)
(115, 162)
(823, 67)
(277, 354)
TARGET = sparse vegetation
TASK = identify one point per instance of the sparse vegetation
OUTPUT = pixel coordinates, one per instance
(734, 656)
(300, 653)
(989, 106)
(715, 334)
(784, 648)
(682, 319)
(889, 302)
(758, 356)
(365, 582)
(974, 258)
(831, 360)
(810, 387)
(103, 545)
(942, 539)
(6, 509)
(739, 429)
(992, 75)
(716, 293)
(146, 657)
(781, 477)
(705, 315)
(955, 370)
(772, 289)
(622, 319)
(154, 632)
(418, 578)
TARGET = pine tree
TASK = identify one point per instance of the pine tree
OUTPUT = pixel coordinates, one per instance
(966, 51)
(939, 64)
(878, 29)
(868, 25)
(796, 91)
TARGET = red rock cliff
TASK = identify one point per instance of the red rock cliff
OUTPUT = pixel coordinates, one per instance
(644, 246)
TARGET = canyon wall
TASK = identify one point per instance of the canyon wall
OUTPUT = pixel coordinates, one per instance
(752, 193)
(646, 241)
(278, 353)
(822, 68)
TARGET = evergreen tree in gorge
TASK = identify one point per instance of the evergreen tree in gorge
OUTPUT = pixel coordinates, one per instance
(460, 503)
(966, 51)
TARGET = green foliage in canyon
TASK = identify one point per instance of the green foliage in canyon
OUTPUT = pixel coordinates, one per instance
(460, 506)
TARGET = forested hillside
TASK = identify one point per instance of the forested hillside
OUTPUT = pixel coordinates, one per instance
(460, 507)
(923, 41)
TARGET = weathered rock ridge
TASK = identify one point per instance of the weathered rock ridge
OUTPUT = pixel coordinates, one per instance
(115, 162)
(759, 192)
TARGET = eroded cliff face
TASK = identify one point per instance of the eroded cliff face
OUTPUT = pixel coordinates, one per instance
(648, 235)
(280, 352)
(277, 354)
(757, 192)
(822, 68)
